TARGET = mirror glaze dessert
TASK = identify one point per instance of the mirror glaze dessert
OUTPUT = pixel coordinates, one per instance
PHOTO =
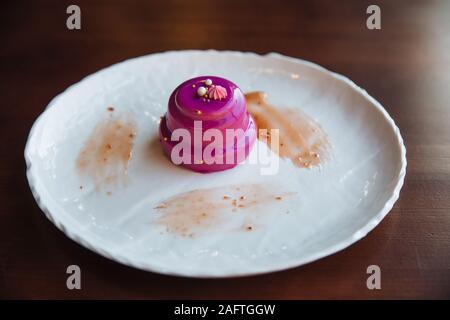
(198, 105)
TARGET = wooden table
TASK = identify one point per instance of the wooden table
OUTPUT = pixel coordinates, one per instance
(405, 65)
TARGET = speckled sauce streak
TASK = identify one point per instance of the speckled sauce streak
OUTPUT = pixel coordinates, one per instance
(301, 139)
(107, 151)
(190, 213)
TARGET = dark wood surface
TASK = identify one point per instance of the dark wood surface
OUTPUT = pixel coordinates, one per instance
(405, 65)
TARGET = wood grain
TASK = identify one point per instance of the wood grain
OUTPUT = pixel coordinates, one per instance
(405, 65)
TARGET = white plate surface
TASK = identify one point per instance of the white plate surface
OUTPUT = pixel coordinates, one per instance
(336, 205)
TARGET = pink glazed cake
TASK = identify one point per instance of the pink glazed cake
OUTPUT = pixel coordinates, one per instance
(213, 102)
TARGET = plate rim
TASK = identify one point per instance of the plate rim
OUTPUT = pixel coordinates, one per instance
(120, 258)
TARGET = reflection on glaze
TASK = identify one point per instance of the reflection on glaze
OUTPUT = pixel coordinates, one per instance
(302, 140)
(107, 151)
(199, 210)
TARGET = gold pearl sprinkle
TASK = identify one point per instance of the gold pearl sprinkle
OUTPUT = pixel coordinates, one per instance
(165, 138)
(193, 86)
(198, 112)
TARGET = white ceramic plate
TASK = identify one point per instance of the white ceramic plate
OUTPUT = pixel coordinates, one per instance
(336, 205)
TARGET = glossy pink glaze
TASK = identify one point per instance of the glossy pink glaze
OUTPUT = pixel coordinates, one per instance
(227, 111)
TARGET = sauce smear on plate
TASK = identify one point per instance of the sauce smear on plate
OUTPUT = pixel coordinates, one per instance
(301, 139)
(107, 151)
(188, 213)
